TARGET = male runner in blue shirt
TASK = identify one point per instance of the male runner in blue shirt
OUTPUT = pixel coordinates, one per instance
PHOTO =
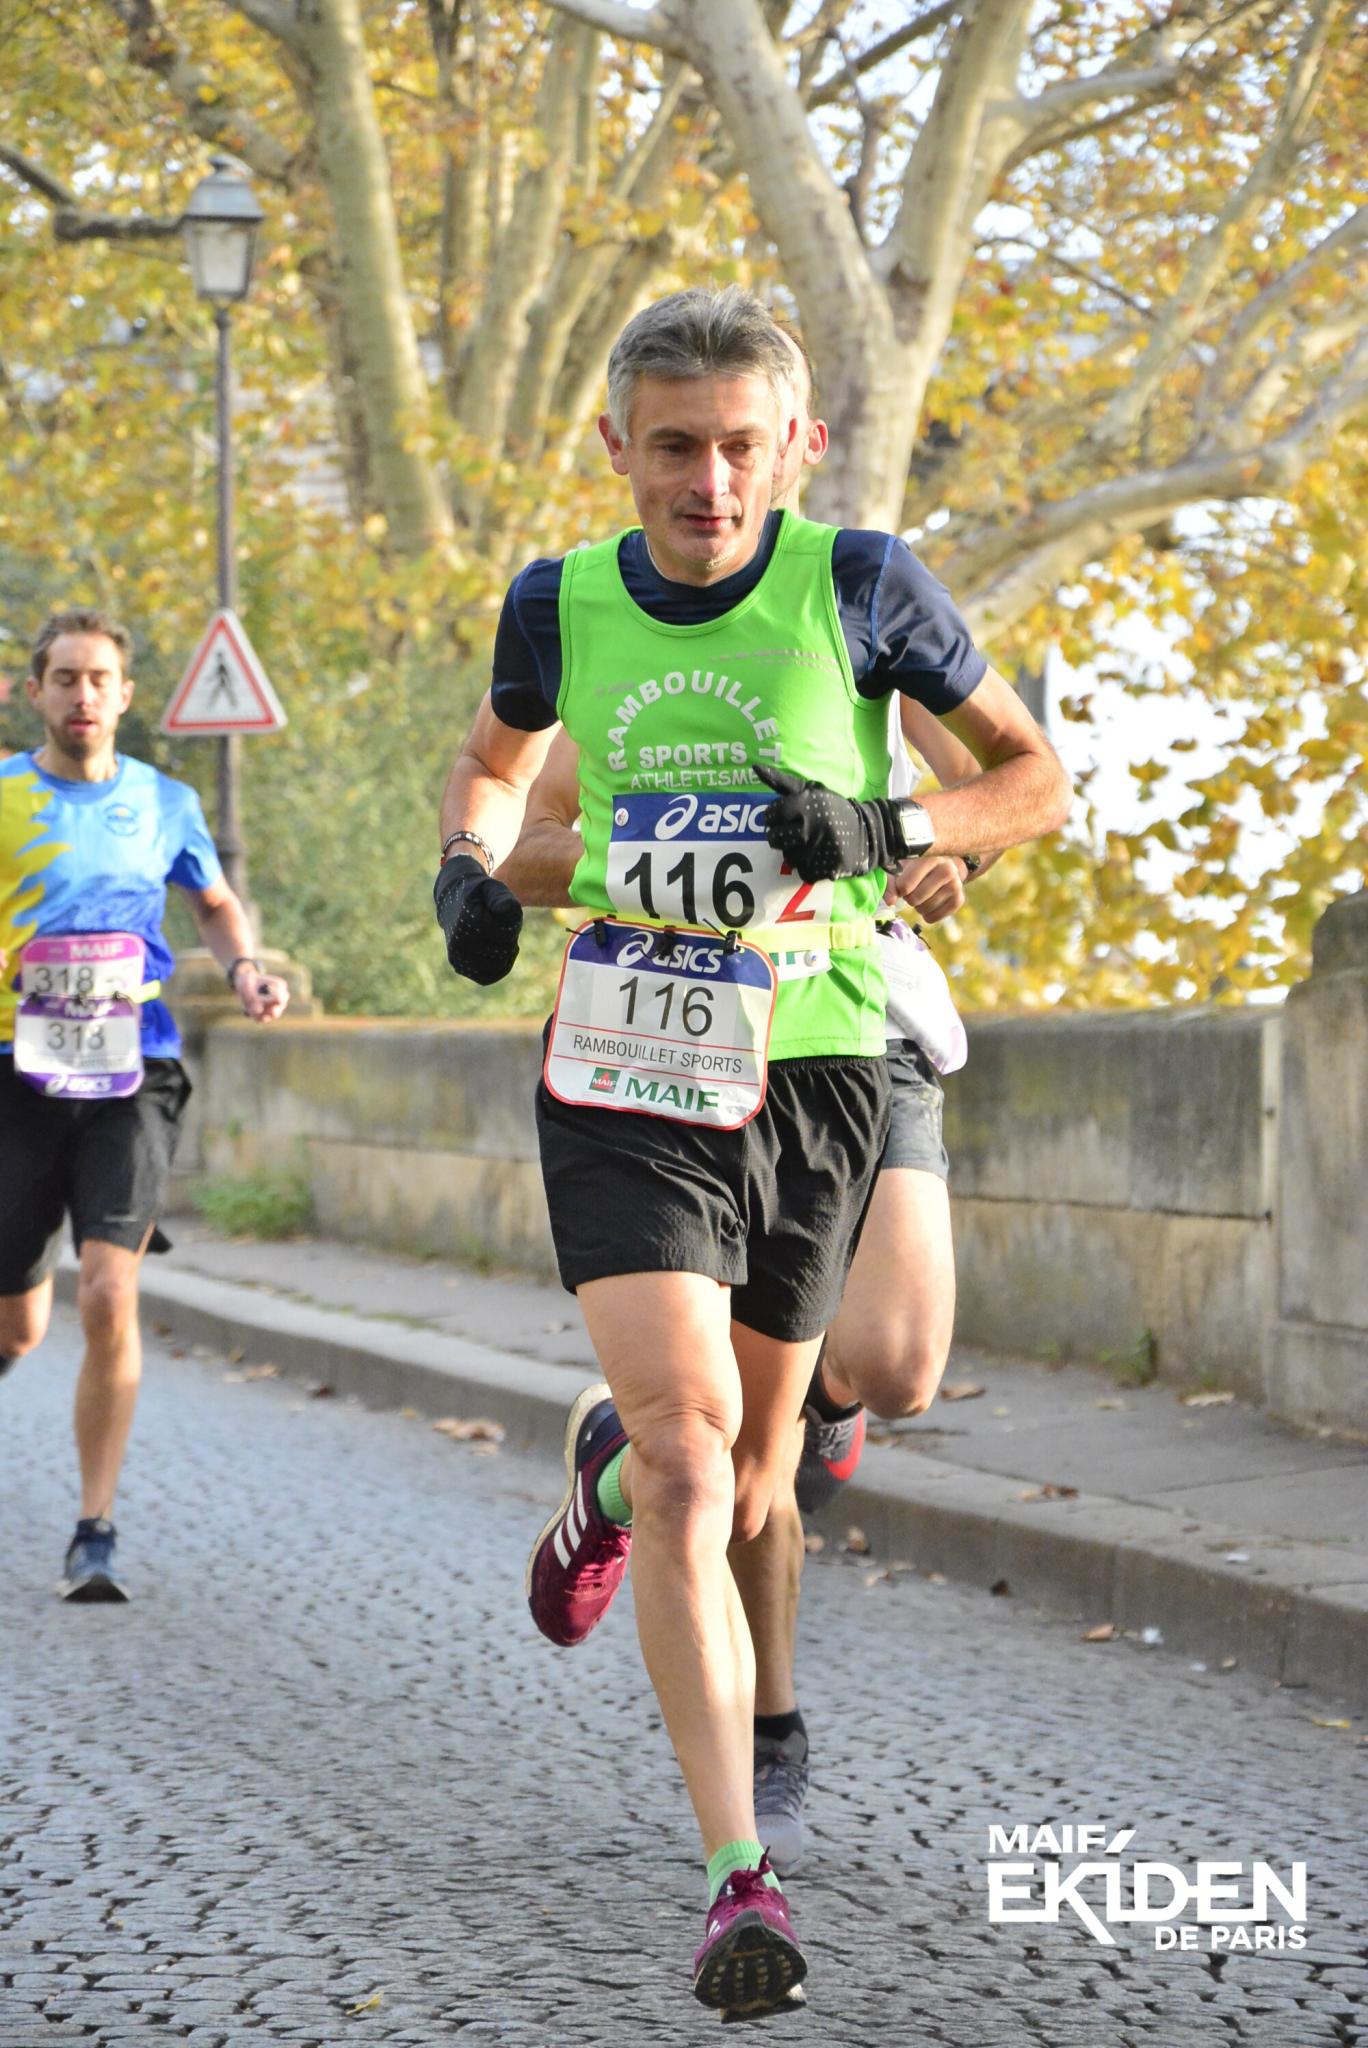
(92, 1092)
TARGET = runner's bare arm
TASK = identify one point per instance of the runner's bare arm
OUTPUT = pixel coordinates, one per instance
(488, 787)
(1021, 790)
(934, 884)
(539, 868)
(222, 924)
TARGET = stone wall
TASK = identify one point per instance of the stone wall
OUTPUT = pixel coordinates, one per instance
(1113, 1181)
(1111, 1174)
(1319, 1364)
(415, 1136)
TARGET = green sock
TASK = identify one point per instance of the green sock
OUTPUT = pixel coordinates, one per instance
(611, 1498)
(735, 1856)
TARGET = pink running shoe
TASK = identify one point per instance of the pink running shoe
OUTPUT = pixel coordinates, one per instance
(578, 1561)
(750, 1963)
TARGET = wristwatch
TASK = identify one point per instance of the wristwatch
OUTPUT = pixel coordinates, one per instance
(918, 833)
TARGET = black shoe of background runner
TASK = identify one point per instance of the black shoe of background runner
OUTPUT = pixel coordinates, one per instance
(88, 1573)
(5, 1364)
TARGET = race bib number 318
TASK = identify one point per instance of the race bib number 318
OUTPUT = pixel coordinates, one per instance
(670, 1025)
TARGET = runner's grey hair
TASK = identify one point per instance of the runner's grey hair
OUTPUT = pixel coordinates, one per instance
(80, 619)
(702, 332)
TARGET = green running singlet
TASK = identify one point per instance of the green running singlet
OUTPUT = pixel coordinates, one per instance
(670, 720)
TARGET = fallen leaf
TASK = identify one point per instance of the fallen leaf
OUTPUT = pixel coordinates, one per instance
(936, 1579)
(872, 1579)
(321, 1391)
(856, 1542)
(812, 1543)
(479, 1430)
(161, 1329)
(1103, 1633)
(354, 2012)
(1229, 1663)
(999, 1410)
(1205, 1400)
(1316, 1723)
(961, 1390)
(1049, 1491)
(1110, 1404)
(262, 1372)
(236, 1355)
(1001, 1588)
(411, 1414)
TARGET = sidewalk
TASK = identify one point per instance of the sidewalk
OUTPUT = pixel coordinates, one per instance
(1231, 1536)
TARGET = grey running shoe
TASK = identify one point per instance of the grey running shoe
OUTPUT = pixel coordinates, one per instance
(781, 1784)
(831, 1451)
(88, 1574)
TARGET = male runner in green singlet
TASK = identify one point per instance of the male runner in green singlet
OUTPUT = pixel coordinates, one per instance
(718, 656)
(892, 1332)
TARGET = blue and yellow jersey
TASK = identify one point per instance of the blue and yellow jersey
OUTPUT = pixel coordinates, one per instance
(96, 857)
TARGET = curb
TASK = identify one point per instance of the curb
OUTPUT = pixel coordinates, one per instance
(1285, 1611)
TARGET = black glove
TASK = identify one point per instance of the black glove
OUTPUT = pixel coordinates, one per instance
(826, 836)
(480, 920)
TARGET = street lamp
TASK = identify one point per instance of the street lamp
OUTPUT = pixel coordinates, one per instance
(220, 227)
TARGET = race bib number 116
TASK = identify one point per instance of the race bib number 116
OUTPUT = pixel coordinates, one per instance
(705, 860)
(674, 1025)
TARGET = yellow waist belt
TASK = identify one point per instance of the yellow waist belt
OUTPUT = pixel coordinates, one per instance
(843, 936)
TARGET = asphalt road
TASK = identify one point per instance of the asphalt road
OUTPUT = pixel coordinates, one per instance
(322, 1783)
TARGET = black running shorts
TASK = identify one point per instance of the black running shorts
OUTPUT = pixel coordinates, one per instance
(772, 1210)
(914, 1132)
(104, 1164)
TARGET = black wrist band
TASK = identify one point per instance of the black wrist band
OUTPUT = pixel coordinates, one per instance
(972, 862)
(243, 960)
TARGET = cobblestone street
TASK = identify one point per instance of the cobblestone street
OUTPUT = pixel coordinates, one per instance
(321, 1783)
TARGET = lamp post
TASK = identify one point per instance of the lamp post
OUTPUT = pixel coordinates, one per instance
(220, 228)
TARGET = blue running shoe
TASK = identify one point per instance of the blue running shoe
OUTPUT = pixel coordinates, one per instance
(88, 1573)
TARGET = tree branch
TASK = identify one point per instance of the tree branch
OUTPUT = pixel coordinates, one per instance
(634, 24)
(1006, 572)
(1255, 318)
(70, 221)
(831, 88)
(273, 18)
(1049, 118)
(213, 117)
(1212, 255)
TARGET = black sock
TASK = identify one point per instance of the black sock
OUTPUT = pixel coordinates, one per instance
(819, 1399)
(5, 1363)
(778, 1727)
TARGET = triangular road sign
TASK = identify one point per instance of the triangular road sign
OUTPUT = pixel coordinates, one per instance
(225, 689)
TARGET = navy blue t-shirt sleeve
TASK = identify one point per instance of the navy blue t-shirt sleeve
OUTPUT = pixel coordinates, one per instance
(527, 649)
(903, 629)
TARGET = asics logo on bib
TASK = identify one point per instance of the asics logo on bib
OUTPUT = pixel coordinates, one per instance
(711, 820)
(683, 959)
(673, 817)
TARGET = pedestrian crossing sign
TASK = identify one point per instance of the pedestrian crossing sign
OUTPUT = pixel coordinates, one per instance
(225, 689)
